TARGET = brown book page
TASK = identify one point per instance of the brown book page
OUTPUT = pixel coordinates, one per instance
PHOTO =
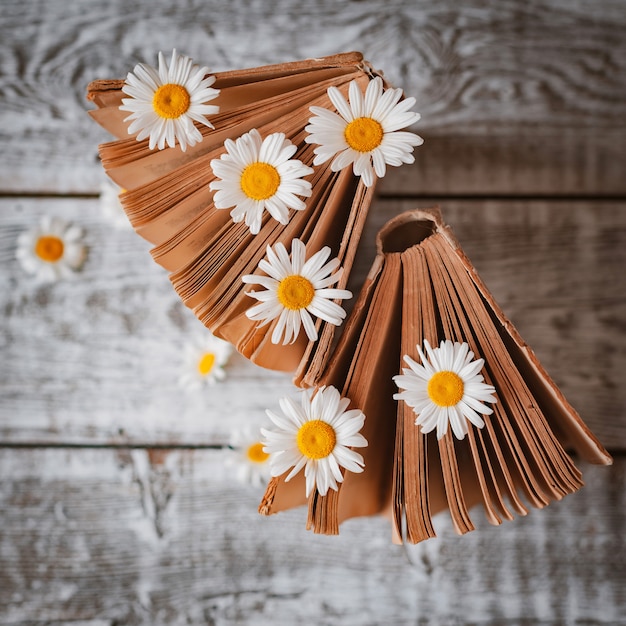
(279, 495)
(330, 219)
(131, 163)
(412, 486)
(369, 385)
(517, 448)
(237, 87)
(101, 92)
(421, 304)
(564, 419)
(453, 320)
(317, 353)
(534, 442)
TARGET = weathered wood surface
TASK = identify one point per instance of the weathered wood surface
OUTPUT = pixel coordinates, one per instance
(165, 537)
(104, 351)
(522, 104)
(515, 97)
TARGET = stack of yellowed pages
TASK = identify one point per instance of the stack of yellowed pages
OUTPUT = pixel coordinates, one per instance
(421, 291)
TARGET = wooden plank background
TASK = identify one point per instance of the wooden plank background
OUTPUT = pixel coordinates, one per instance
(115, 503)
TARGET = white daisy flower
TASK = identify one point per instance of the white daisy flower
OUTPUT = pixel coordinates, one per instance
(316, 434)
(445, 388)
(164, 104)
(204, 361)
(111, 206)
(256, 174)
(51, 250)
(248, 457)
(295, 289)
(365, 133)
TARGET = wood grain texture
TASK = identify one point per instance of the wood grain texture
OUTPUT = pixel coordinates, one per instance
(530, 92)
(527, 162)
(522, 104)
(146, 537)
(104, 350)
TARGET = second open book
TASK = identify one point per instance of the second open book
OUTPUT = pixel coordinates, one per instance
(422, 287)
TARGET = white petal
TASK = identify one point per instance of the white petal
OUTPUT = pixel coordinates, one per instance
(378, 160)
(372, 96)
(279, 329)
(326, 310)
(316, 262)
(343, 159)
(442, 425)
(340, 103)
(333, 466)
(457, 422)
(356, 99)
(298, 254)
(309, 326)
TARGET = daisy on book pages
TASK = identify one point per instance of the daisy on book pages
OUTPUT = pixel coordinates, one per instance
(264, 177)
(316, 435)
(247, 456)
(446, 388)
(505, 455)
(165, 103)
(51, 250)
(256, 175)
(365, 131)
(203, 362)
(295, 289)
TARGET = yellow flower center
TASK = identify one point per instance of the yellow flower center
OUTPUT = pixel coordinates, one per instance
(260, 181)
(295, 292)
(171, 101)
(256, 454)
(49, 248)
(363, 134)
(445, 388)
(316, 439)
(206, 363)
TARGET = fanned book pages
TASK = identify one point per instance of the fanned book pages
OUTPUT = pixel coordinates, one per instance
(427, 343)
(171, 194)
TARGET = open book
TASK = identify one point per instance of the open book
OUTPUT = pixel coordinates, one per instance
(168, 200)
(421, 291)
(422, 287)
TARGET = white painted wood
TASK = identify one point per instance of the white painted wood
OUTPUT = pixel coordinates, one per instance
(97, 359)
(138, 537)
(531, 94)
(518, 100)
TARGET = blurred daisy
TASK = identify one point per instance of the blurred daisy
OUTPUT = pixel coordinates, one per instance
(256, 174)
(316, 434)
(248, 457)
(111, 206)
(295, 289)
(204, 362)
(51, 250)
(365, 133)
(445, 388)
(164, 104)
